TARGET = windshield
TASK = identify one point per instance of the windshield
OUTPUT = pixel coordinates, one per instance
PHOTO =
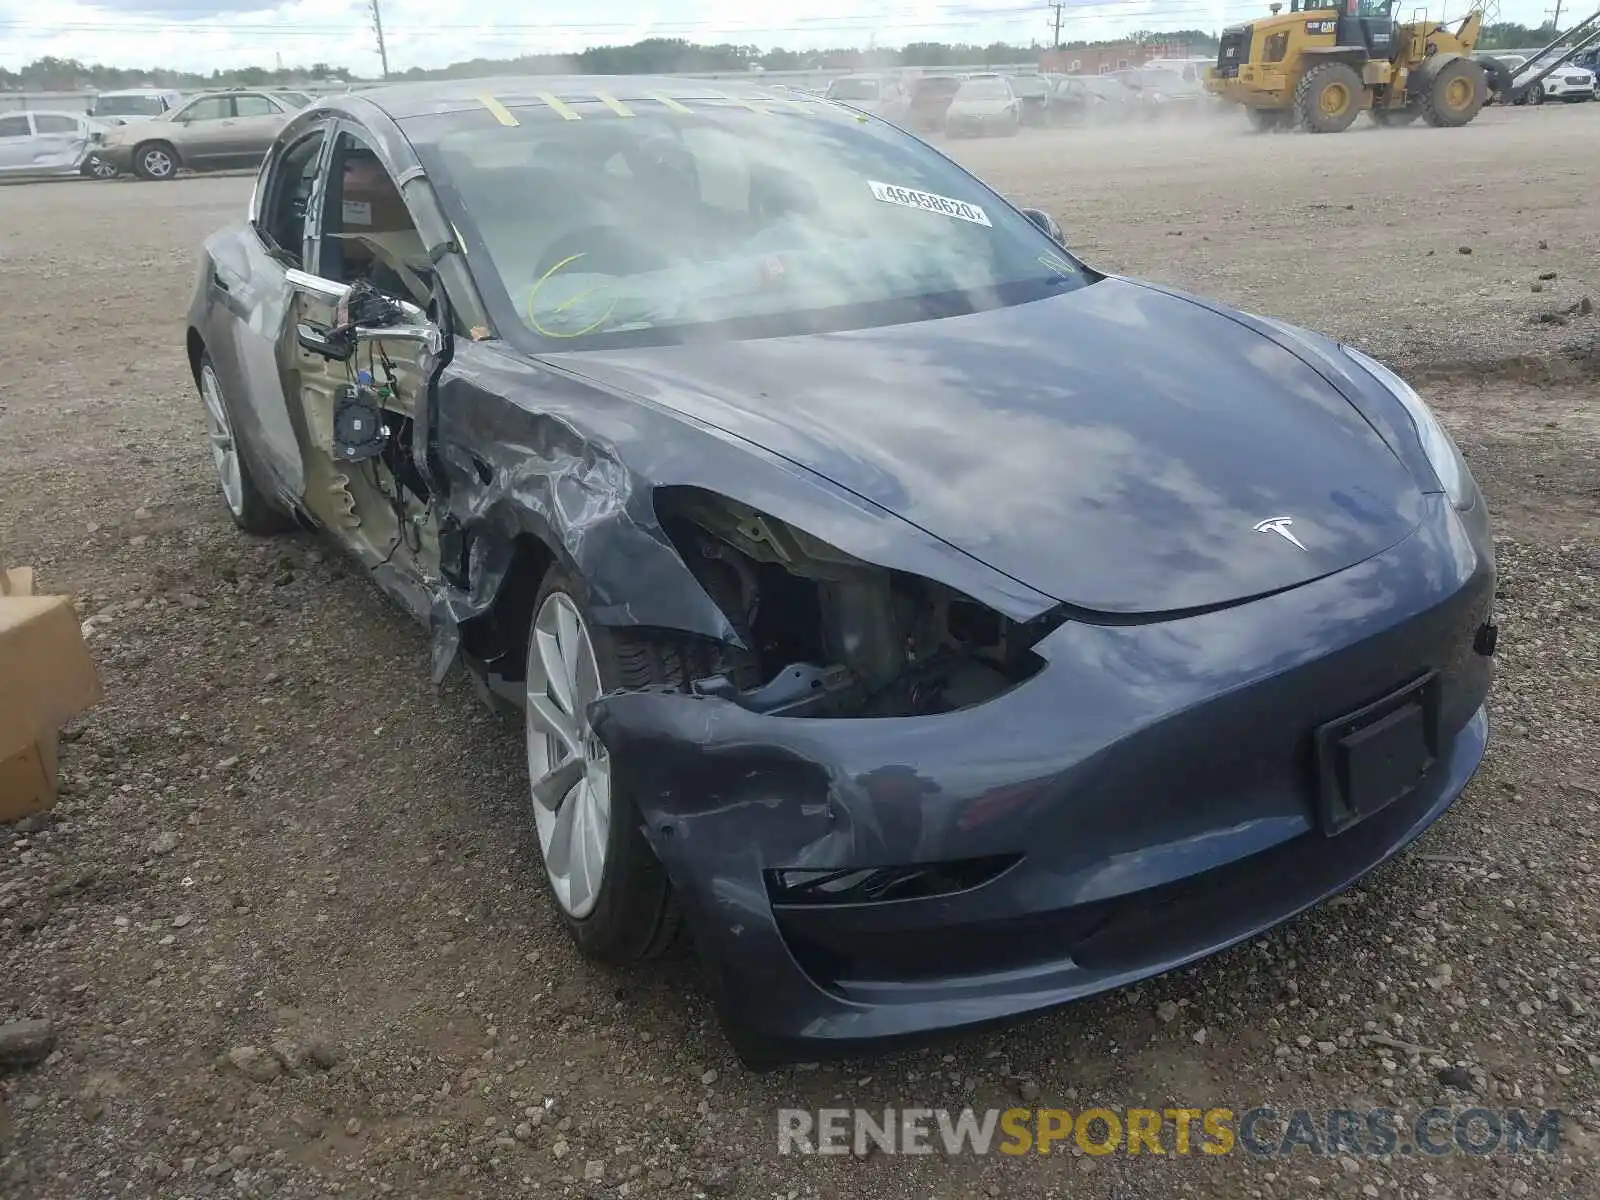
(128, 106)
(723, 223)
(295, 99)
(853, 89)
(983, 89)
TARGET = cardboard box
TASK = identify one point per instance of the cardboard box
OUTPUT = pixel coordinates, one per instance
(46, 677)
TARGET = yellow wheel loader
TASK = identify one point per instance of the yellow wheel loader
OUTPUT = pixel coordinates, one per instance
(1324, 61)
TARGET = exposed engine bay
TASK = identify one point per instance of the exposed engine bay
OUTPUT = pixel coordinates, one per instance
(828, 635)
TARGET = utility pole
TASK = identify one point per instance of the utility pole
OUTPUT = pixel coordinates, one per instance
(376, 8)
(1555, 20)
(1056, 35)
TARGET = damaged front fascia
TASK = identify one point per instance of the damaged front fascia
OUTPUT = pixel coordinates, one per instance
(534, 449)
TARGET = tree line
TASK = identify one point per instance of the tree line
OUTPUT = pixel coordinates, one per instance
(656, 56)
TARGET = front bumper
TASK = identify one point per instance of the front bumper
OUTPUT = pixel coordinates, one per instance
(119, 156)
(978, 126)
(1562, 90)
(1147, 796)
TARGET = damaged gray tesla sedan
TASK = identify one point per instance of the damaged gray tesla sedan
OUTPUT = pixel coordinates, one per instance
(927, 627)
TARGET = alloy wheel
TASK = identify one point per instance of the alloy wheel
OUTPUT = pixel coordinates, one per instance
(101, 169)
(157, 163)
(224, 450)
(567, 764)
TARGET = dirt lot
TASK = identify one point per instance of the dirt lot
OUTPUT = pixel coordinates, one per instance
(275, 832)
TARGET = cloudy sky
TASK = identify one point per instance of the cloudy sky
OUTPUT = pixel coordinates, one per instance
(204, 34)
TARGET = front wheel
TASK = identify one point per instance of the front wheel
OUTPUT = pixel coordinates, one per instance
(98, 168)
(1328, 97)
(155, 160)
(1456, 93)
(611, 891)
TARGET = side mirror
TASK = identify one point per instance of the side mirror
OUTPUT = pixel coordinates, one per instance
(1047, 223)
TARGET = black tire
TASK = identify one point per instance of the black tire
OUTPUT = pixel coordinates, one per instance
(256, 513)
(635, 916)
(1328, 97)
(1500, 81)
(1536, 94)
(156, 161)
(1455, 94)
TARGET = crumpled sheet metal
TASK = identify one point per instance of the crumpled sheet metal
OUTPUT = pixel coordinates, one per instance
(529, 448)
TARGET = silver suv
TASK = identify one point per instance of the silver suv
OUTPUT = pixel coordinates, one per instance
(212, 132)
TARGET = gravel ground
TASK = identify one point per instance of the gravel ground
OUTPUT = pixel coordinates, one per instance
(286, 918)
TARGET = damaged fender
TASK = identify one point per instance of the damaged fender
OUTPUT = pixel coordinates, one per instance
(533, 449)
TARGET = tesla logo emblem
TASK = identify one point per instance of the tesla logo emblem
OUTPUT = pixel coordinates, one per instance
(1279, 526)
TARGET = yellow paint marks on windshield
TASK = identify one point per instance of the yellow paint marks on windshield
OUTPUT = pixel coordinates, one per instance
(564, 111)
(615, 105)
(500, 112)
(670, 103)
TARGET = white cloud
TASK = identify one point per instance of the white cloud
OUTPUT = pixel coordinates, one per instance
(206, 34)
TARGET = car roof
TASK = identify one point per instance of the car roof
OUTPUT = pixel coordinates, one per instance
(402, 101)
(47, 112)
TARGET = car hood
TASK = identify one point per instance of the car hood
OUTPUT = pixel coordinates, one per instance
(1115, 447)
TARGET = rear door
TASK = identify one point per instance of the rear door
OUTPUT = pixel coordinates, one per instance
(16, 143)
(256, 122)
(59, 143)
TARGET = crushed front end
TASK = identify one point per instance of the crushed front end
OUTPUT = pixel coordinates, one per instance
(1151, 792)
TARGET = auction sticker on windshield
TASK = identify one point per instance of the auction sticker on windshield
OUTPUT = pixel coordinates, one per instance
(891, 193)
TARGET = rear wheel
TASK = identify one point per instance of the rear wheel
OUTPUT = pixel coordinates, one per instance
(1328, 97)
(1454, 96)
(248, 505)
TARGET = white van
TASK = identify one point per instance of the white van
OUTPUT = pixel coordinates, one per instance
(135, 104)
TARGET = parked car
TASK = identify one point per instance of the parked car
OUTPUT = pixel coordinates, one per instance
(215, 131)
(45, 143)
(983, 105)
(879, 95)
(1033, 95)
(931, 627)
(1094, 100)
(928, 99)
(136, 104)
(1567, 82)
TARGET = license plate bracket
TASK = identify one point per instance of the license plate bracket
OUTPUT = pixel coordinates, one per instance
(1368, 759)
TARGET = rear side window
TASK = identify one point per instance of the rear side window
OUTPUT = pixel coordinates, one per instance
(211, 108)
(254, 106)
(14, 127)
